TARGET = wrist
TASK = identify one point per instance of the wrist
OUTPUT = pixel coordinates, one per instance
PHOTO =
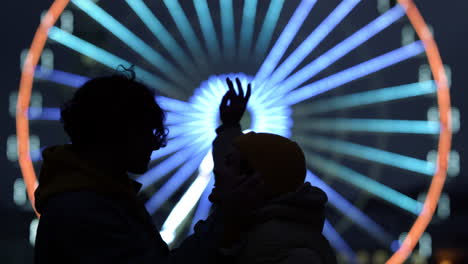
(225, 126)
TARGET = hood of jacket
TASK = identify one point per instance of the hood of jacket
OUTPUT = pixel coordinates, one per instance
(63, 170)
(290, 225)
(305, 206)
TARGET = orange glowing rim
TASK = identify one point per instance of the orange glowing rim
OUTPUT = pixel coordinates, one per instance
(435, 62)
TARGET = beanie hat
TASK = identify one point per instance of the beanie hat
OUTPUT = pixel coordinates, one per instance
(280, 161)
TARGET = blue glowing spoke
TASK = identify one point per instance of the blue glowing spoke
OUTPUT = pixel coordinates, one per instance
(176, 180)
(370, 154)
(173, 145)
(338, 243)
(341, 49)
(189, 200)
(269, 25)
(60, 77)
(364, 183)
(247, 28)
(227, 22)
(203, 130)
(110, 60)
(174, 105)
(351, 212)
(306, 47)
(366, 98)
(208, 30)
(204, 205)
(178, 118)
(351, 74)
(369, 126)
(172, 162)
(45, 113)
(183, 25)
(284, 40)
(161, 33)
(130, 39)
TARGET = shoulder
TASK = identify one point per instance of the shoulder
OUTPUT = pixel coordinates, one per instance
(280, 239)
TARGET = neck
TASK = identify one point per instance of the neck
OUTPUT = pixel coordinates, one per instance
(103, 158)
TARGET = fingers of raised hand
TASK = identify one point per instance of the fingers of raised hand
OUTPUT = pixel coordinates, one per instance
(239, 87)
(225, 100)
(249, 92)
(231, 86)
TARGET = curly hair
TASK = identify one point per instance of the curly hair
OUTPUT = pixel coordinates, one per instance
(103, 106)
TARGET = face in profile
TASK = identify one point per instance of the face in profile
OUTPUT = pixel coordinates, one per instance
(141, 142)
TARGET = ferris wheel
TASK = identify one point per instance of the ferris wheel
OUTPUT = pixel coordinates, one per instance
(351, 86)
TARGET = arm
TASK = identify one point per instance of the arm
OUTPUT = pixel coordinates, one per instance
(231, 110)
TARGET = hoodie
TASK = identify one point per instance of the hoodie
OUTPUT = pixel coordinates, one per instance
(89, 215)
(287, 229)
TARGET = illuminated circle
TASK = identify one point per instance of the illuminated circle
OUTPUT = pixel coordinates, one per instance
(280, 98)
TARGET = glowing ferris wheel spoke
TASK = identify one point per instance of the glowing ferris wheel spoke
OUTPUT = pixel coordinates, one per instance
(366, 98)
(176, 180)
(201, 129)
(184, 27)
(284, 40)
(130, 39)
(338, 243)
(208, 30)
(247, 28)
(182, 209)
(343, 48)
(60, 77)
(351, 74)
(354, 125)
(351, 212)
(173, 118)
(204, 205)
(364, 183)
(306, 47)
(169, 164)
(227, 23)
(189, 200)
(340, 50)
(161, 33)
(76, 81)
(370, 154)
(174, 144)
(269, 25)
(174, 105)
(110, 60)
(46, 113)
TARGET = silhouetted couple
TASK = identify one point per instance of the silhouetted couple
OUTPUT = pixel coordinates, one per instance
(263, 211)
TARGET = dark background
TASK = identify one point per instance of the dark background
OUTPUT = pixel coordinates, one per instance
(21, 18)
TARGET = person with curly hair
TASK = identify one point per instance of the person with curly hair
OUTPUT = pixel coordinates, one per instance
(88, 203)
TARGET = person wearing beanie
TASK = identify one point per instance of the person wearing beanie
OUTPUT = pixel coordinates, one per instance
(282, 221)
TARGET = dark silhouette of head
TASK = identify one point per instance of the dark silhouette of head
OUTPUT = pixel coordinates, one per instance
(279, 160)
(116, 115)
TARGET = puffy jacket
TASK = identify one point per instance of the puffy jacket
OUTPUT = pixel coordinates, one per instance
(288, 230)
(90, 216)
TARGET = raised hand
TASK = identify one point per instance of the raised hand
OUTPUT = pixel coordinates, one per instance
(233, 105)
